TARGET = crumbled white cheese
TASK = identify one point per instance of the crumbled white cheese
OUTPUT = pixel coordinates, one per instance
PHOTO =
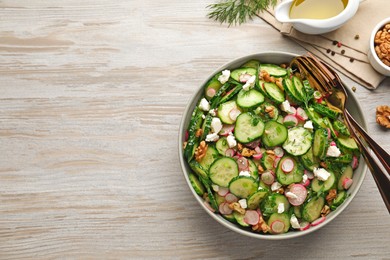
(280, 207)
(213, 112)
(285, 106)
(333, 151)
(290, 195)
(224, 77)
(231, 140)
(243, 203)
(216, 125)
(215, 187)
(304, 178)
(321, 174)
(203, 117)
(245, 173)
(204, 104)
(275, 186)
(212, 137)
(294, 222)
(308, 124)
(250, 83)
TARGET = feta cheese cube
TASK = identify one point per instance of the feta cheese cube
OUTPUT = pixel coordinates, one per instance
(213, 112)
(215, 187)
(231, 140)
(294, 222)
(280, 208)
(212, 137)
(204, 104)
(216, 125)
(250, 83)
(321, 174)
(290, 195)
(285, 106)
(275, 186)
(308, 124)
(333, 151)
(243, 203)
(245, 173)
(224, 77)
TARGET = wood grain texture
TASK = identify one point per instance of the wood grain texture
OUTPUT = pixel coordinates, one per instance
(91, 97)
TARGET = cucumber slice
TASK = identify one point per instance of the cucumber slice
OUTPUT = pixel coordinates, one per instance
(212, 84)
(240, 219)
(196, 184)
(295, 176)
(312, 209)
(347, 173)
(298, 211)
(274, 70)
(299, 141)
(253, 170)
(267, 161)
(209, 158)
(340, 198)
(299, 88)
(347, 143)
(315, 117)
(274, 92)
(309, 161)
(255, 199)
(320, 143)
(270, 203)
(318, 185)
(248, 127)
(231, 93)
(206, 126)
(198, 169)
(222, 145)
(251, 64)
(193, 140)
(341, 128)
(235, 74)
(282, 217)
(223, 170)
(243, 186)
(249, 99)
(274, 134)
(224, 111)
(325, 110)
(290, 90)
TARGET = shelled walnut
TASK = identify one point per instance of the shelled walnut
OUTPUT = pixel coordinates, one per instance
(382, 44)
(383, 116)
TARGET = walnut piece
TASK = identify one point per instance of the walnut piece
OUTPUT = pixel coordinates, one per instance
(382, 44)
(200, 151)
(246, 152)
(383, 116)
(325, 210)
(237, 207)
(199, 132)
(264, 75)
(261, 226)
(331, 195)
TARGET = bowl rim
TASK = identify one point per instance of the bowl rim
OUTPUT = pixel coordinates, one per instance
(292, 234)
(378, 26)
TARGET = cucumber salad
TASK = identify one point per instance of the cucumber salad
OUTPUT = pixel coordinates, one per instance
(267, 151)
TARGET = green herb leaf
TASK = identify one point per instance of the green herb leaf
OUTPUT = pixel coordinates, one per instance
(238, 11)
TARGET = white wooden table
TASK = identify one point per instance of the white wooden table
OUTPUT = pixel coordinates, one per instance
(91, 97)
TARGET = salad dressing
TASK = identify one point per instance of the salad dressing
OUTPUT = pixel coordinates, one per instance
(316, 9)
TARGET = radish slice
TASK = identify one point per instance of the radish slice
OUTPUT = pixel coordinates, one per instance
(186, 136)
(224, 208)
(279, 152)
(288, 165)
(347, 182)
(226, 130)
(309, 174)
(210, 92)
(306, 183)
(277, 226)
(257, 156)
(355, 162)
(253, 145)
(231, 198)
(276, 161)
(222, 191)
(301, 114)
(230, 152)
(329, 133)
(304, 225)
(243, 164)
(290, 120)
(208, 206)
(244, 77)
(300, 193)
(268, 177)
(318, 221)
(251, 217)
(333, 143)
(234, 113)
(292, 111)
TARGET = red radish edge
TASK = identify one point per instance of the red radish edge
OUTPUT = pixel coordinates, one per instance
(329, 133)
(300, 191)
(208, 206)
(257, 156)
(268, 177)
(251, 217)
(186, 136)
(226, 130)
(224, 208)
(304, 225)
(292, 111)
(301, 114)
(306, 183)
(277, 226)
(276, 162)
(243, 163)
(347, 182)
(231, 198)
(234, 113)
(223, 191)
(309, 174)
(278, 151)
(318, 221)
(230, 152)
(333, 143)
(355, 162)
(291, 118)
(287, 165)
(210, 92)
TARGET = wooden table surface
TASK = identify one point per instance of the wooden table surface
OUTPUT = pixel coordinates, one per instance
(91, 97)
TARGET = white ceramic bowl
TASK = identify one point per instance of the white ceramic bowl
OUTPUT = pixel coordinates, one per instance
(376, 63)
(277, 58)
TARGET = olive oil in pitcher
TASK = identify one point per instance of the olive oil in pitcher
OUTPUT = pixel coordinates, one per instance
(316, 9)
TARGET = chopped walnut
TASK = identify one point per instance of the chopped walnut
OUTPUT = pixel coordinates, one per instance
(237, 207)
(325, 210)
(270, 152)
(246, 152)
(266, 77)
(331, 196)
(280, 190)
(323, 164)
(184, 145)
(383, 116)
(260, 168)
(382, 44)
(199, 132)
(200, 151)
(261, 226)
(279, 83)
(239, 147)
(270, 111)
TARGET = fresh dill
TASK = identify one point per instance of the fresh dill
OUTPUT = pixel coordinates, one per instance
(238, 11)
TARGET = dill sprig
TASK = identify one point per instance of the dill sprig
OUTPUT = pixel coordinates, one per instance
(237, 11)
